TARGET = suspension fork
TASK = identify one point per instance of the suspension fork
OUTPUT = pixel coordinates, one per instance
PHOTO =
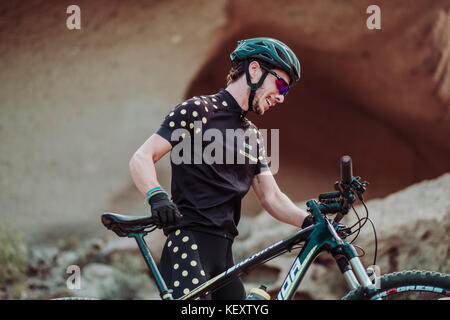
(349, 263)
(357, 266)
(346, 271)
(351, 267)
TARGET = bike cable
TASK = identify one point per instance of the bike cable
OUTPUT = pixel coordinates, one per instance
(360, 224)
(374, 233)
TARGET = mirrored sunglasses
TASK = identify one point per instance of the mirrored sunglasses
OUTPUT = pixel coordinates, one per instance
(282, 86)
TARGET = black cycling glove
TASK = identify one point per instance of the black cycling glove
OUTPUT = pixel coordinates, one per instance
(164, 211)
(309, 220)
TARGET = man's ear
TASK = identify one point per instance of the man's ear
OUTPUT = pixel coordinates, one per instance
(255, 71)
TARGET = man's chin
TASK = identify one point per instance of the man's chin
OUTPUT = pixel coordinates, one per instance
(259, 110)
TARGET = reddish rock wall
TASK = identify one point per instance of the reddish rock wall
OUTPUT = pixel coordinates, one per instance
(378, 95)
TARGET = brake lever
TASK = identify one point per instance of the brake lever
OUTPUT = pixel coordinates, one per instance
(359, 187)
(342, 230)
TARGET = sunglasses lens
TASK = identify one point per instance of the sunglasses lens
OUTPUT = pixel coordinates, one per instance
(282, 87)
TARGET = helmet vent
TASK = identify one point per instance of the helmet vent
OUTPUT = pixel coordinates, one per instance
(266, 55)
(282, 55)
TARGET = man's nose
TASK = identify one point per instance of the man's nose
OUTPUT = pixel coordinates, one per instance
(279, 98)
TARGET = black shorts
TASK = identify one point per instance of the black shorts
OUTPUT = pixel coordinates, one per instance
(190, 258)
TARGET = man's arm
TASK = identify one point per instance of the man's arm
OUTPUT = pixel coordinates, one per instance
(142, 164)
(276, 202)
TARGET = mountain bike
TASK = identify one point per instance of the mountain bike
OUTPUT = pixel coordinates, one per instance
(327, 234)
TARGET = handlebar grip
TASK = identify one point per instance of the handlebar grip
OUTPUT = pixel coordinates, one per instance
(329, 195)
(330, 208)
(346, 169)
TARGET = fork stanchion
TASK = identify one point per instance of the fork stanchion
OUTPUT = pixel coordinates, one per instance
(358, 268)
(347, 272)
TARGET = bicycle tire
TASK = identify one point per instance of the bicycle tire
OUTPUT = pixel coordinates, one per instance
(404, 285)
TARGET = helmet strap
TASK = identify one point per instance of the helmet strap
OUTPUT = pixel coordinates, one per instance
(253, 86)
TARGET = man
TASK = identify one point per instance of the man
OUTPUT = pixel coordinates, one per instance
(201, 219)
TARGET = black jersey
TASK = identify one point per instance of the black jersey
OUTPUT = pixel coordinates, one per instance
(216, 153)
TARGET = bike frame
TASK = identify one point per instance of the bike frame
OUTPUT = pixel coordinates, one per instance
(317, 238)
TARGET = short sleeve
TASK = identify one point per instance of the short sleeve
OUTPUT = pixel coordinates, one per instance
(185, 119)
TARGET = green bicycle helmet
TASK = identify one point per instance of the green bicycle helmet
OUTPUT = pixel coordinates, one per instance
(269, 50)
(272, 51)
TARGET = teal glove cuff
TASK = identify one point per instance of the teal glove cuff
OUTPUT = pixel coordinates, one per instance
(154, 191)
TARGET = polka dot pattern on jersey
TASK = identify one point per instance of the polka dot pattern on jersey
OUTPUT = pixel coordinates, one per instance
(195, 114)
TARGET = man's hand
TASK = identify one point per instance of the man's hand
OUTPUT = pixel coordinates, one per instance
(309, 220)
(164, 212)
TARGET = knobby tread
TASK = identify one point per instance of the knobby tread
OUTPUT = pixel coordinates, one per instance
(402, 278)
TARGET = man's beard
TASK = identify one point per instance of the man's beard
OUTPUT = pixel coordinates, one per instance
(256, 106)
(257, 109)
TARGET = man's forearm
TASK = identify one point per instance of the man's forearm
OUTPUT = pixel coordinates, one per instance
(284, 210)
(143, 172)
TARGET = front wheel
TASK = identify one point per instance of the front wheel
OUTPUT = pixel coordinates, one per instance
(407, 285)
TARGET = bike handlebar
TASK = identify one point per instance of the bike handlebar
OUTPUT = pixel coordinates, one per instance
(329, 195)
(342, 200)
(346, 170)
(330, 208)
